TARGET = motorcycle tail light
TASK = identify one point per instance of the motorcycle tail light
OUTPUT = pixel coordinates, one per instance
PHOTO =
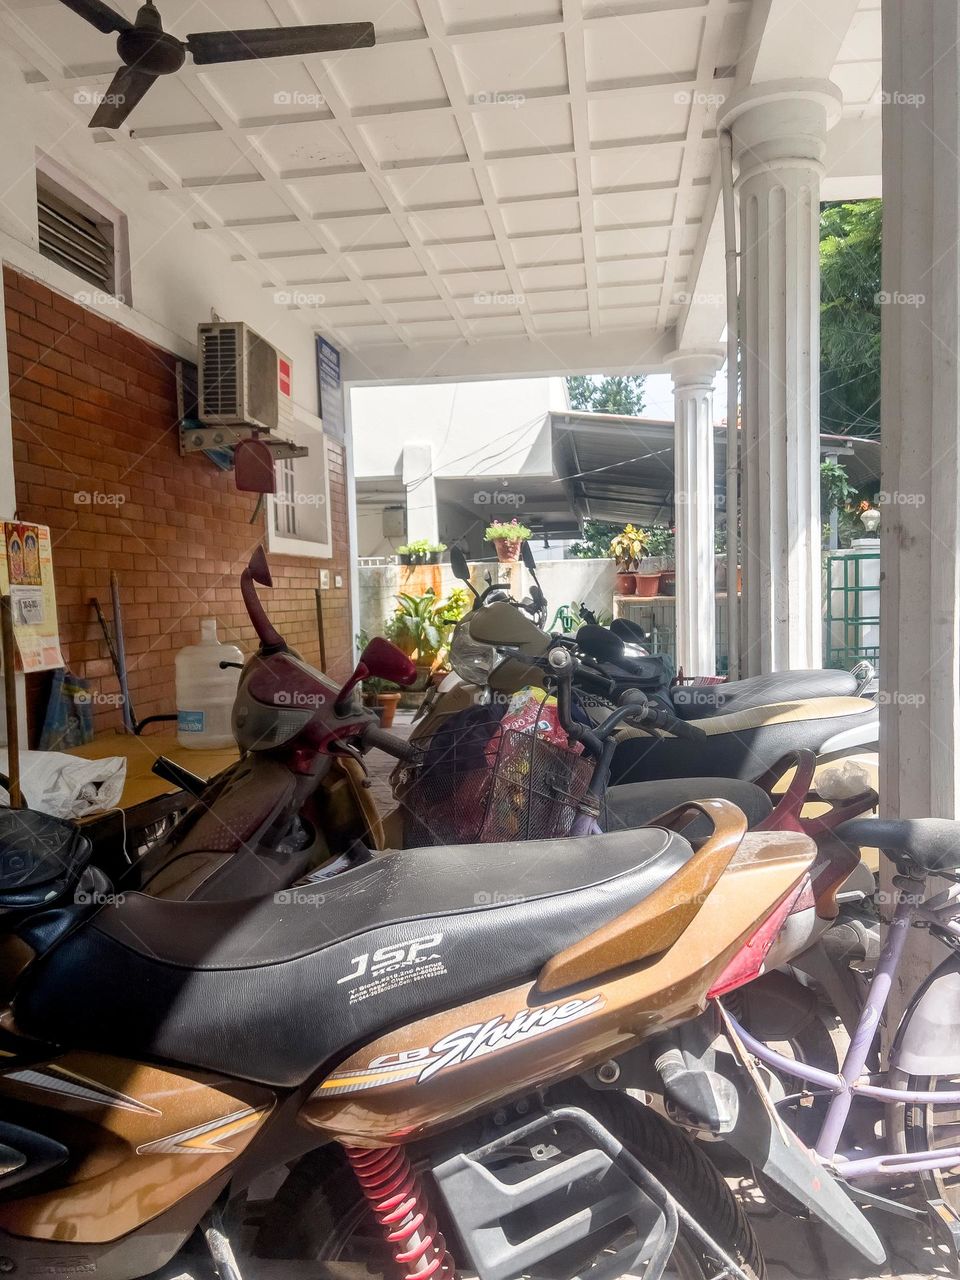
(747, 964)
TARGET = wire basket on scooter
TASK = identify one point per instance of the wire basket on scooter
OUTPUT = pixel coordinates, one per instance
(517, 786)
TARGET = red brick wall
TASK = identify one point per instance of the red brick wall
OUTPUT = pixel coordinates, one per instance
(94, 413)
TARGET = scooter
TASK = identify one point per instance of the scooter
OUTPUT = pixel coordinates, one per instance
(744, 744)
(619, 654)
(286, 808)
(415, 1061)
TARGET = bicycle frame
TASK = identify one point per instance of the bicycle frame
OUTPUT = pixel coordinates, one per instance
(942, 911)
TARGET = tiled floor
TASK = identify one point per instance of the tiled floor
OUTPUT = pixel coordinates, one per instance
(797, 1250)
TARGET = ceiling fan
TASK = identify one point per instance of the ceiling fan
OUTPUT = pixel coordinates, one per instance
(148, 51)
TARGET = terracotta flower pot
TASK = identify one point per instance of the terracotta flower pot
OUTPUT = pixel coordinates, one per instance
(626, 584)
(668, 582)
(648, 584)
(508, 549)
(388, 703)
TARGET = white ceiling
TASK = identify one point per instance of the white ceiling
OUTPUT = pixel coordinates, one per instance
(492, 170)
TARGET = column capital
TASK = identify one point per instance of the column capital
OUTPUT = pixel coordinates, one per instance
(695, 367)
(781, 124)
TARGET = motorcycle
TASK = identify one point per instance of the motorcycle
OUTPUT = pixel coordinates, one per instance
(618, 654)
(744, 744)
(413, 1056)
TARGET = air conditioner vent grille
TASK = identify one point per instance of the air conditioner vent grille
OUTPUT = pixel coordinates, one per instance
(221, 371)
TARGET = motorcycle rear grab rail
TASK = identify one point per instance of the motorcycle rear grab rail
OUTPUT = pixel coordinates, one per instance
(656, 922)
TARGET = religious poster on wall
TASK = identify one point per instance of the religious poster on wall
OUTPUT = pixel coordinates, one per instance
(26, 575)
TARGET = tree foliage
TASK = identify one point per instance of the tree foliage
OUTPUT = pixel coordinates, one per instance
(595, 543)
(606, 395)
(850, 301)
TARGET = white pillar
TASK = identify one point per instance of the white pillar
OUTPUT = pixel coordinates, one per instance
(694, 497)
(779, 137)
(421, 493)
(919, 534)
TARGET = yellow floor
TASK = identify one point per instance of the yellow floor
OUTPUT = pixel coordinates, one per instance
(140, 753)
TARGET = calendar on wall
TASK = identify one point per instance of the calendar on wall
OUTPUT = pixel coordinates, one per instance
(26, 575)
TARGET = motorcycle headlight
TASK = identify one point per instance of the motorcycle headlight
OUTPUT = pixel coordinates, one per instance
(471, 660)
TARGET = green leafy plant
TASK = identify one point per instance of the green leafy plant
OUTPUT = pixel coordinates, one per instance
(595, 541)
(628, 548)
(422, 625)
(851, 298)
(413, 626)
(835, 487)
(420, 548)
(596, 394)
(660, 540)
(451, 610)
(513, 531)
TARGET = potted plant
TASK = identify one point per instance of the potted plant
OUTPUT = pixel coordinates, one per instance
(507, 537)
(421, 551)
(627, 549)
(383, 697)
(415, 628)
(658, 564)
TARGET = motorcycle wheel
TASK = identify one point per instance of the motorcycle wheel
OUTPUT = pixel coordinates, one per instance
(320, 1213)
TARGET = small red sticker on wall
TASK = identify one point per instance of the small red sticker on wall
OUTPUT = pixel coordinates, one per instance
(284, 377)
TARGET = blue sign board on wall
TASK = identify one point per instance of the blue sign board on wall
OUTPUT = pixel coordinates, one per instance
(331, 388)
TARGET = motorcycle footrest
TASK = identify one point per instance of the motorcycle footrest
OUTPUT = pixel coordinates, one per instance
(513, 1214)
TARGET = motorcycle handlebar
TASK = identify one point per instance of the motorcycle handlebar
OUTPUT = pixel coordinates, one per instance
(390, 743)
(662, 719)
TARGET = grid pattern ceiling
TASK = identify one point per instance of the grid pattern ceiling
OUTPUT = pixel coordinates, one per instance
(495, 169)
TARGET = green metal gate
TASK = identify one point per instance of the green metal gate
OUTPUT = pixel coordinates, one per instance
(852, 608)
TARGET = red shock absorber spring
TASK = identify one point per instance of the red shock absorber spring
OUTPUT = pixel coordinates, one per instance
(400, 1205)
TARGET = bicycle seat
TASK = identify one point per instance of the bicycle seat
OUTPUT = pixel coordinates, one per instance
(914, 844)
(269, 990)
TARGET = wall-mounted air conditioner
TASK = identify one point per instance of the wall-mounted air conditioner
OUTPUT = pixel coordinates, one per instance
(244, 380)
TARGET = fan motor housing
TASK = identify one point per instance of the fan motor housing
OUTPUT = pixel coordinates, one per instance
(153, 51)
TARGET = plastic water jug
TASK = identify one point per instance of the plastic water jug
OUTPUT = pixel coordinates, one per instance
(205, 691)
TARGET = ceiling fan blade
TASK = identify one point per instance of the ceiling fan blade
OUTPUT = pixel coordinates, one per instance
(279, 42)
(99, 15)
(126, 89)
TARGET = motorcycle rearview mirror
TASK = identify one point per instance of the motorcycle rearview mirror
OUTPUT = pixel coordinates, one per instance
(600, 644)
(382, 659)
(530, 564)
(385, 660)
(257, 570)
(461, 569)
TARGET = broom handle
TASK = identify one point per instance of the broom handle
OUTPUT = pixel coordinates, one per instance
(8, 645)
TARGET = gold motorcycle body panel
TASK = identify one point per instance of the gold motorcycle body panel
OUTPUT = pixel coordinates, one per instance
(448, 1066)
(140, 1139)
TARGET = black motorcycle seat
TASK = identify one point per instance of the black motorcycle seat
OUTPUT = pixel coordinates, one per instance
(745, 744)
(928, 845)
(271, 989)
(636, 803)
(691, 702)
